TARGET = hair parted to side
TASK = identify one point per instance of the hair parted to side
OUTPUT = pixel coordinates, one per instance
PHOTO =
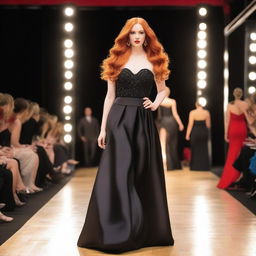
(120, 52)
(238, 93)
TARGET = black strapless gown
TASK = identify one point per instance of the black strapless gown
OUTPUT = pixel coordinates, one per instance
(128, 206)
(167, 121)
(200, 159)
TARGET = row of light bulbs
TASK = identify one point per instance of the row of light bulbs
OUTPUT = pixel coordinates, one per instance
(68, 73)
(201, 57)
(252, 62)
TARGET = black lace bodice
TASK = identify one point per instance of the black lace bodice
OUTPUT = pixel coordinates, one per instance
(137, 85)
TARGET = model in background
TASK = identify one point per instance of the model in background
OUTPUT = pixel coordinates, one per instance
(235, 135)
(128, 206)
(88, 131)
(198, 133)
(169, 123)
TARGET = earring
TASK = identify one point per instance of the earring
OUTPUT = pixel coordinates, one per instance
(128, 43)
(145, 43)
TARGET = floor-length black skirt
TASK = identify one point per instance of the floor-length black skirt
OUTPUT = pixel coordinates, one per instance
(128, 206)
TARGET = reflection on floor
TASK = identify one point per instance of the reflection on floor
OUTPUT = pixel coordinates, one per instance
(206, 221)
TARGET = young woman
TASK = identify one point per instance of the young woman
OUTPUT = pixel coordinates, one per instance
(128, 206)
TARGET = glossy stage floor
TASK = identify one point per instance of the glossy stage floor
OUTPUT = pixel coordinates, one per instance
(206, 221)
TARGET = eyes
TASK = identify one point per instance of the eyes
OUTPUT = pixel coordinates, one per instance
(141, 32)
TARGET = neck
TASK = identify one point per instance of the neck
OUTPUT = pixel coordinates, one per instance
(138, 50)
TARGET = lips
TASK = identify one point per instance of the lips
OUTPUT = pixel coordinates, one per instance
(137, 42)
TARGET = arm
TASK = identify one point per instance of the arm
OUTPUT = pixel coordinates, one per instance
(109, 99)
(15, 129)
(227, 118)
(161, 94)
(176, 115)
(208, 120)
(190, 125)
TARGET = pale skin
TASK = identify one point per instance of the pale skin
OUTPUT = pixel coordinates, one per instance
(198, 114)
(138, 60)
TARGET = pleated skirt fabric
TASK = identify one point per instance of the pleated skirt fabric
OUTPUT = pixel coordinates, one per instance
(128, 206)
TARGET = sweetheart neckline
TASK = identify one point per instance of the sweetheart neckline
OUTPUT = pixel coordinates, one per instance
(138, 71)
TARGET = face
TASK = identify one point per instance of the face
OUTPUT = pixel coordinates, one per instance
(137, 35)
(88, 111)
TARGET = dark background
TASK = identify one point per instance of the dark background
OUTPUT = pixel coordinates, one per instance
(32, 57)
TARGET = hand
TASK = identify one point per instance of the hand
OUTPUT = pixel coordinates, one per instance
(102, 139)
(181, 127)
(187, 137)
(149, 104)
(83, 139)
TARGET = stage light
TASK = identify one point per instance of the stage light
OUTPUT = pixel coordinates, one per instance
(201, 43)
(68, 86)
(68, 74)
(68, 27)
(68, 99)
(67, 118)
(202, 64)
(202, 26)
(251, 89)
(252, 76)
(253, 47)
(226, 73)
(253, 36)
(202, 75)
(201, 84)
(201, 54)
(68, 43)
(202, 11)
(226, 56)
(69, 53)
(67, 127)
(67, 138)
(69, 11)
(252, 60)
(201, 34)
(202, 101)
(67, 109)
(68, 64)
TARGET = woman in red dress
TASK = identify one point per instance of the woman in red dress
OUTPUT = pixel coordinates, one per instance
(235, 134)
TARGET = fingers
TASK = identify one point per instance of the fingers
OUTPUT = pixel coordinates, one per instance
(102, 142)
(147, 103)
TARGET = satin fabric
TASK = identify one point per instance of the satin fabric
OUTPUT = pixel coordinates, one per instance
(128, 206)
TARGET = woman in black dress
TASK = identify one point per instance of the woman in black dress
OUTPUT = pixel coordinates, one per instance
(128, 206)
(169, 123)
(198, 134)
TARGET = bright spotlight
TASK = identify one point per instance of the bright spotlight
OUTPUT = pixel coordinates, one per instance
(202, 11)
(202, 75)
(68, 74)
(202, 26)
(67, 138)
(201, 34)
(68, 127)
(202, 101)
(253, 47)
(202, 64)
(252, 60)
(252, 76)
(68, 64)
(68, 99)
(68, 43)
(67, 118)
(251, 89)
(201, 84)
(69, 11)
(201, 43)
(67, 109)
(201, 54)
(253, 36)
(69, 53)
(199, 92)
(68, 27)
(68, 86)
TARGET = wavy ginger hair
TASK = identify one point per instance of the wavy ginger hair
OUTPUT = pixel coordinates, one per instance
(120, 52)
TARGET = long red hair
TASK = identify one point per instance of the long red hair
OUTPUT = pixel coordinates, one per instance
(121, 51)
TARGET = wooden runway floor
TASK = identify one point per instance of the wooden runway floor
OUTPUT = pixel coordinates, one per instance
(206, 221)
